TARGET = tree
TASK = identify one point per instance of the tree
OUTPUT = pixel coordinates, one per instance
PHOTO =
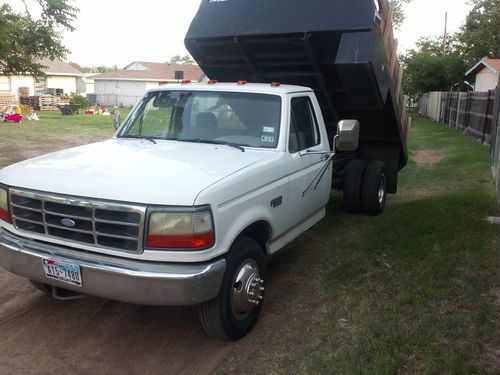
(398, 15)
(480, 36)
(184, 60)
(428, 68)
(26, 39)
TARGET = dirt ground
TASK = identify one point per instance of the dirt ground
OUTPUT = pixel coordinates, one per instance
(427, 158)
(39, 335)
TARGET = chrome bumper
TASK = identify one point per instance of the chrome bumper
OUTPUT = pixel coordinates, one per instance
(120, 279)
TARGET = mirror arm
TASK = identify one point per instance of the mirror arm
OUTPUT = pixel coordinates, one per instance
(319, 176)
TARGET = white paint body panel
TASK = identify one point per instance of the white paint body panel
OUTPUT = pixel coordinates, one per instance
(238, 186)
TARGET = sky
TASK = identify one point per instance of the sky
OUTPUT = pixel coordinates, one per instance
(111, 32)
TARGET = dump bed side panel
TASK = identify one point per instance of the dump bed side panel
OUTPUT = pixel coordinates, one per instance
(336, 47)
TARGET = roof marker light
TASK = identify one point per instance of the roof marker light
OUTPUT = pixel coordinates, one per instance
(213, 82)
(275, 84)
(241, 83)
(185, 81)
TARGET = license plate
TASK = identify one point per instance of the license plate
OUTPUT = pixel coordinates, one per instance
(63, 271)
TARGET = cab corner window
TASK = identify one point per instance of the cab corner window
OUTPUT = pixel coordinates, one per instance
(304, 132)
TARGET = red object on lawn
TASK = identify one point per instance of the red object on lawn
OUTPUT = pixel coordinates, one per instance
(13, 118)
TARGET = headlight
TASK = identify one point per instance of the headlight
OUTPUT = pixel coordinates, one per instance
(183, 230)
(4, 206)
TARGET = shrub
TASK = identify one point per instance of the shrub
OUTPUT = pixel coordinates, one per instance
(79, 99)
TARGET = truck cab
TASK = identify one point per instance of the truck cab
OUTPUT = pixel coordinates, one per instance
(200, 185)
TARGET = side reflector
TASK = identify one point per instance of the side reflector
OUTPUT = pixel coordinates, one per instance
(197, 241)
(4, 215)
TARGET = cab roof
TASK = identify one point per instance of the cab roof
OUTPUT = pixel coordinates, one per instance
(261, 88)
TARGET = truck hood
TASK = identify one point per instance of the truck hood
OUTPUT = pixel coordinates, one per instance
(138, 171)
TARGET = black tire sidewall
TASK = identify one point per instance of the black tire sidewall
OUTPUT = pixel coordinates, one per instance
(243, 249)
(371, 183)
(353, 178)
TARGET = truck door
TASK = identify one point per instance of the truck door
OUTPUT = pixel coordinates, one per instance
(305, 137)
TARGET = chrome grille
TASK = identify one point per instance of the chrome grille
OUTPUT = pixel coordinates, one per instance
(93, 223)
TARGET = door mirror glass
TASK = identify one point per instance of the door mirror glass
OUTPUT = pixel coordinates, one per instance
(347, 139)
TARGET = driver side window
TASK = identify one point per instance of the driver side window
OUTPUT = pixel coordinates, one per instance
(304, 132)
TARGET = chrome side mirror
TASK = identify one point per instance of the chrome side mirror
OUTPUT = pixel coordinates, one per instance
(347, 138)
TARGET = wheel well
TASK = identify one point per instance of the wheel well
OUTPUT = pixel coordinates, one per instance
(260, 232)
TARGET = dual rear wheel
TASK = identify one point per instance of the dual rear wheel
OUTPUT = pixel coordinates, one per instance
(365, 187)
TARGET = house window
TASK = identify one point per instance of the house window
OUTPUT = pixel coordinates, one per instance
(179, 74)
(40, 84)
(4, 84)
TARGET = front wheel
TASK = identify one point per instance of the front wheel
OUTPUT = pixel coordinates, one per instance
(234, 312)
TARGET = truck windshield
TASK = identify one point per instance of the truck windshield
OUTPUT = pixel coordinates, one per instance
(243, 119)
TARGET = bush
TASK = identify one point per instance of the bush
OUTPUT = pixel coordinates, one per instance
(79, 99)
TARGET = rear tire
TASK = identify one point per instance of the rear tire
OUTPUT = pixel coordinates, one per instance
(234, 312)
(353, 178)
(374, 189)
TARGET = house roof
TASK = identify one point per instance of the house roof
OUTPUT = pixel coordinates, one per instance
(486, 63)
(58, 68)
(150, 71)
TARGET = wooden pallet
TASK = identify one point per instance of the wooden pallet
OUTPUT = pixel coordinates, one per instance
(51, 101)
(47, 108)
(24, 100)
(5, 100)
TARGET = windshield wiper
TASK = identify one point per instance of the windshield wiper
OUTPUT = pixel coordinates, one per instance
(215, 142)
(150, 139)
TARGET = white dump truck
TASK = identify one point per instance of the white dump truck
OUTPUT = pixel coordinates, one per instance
(202, 183)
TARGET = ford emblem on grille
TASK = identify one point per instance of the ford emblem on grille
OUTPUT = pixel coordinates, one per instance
(68, 223)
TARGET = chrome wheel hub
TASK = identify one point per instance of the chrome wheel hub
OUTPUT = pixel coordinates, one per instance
(247, 291)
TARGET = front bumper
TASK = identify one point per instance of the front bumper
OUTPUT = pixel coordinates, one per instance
(142, 283)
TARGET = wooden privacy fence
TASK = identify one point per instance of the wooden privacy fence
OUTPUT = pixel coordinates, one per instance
(471, 112)
(475, 113)
(495, 140)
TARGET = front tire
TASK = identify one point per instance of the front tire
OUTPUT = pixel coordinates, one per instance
(236, 309)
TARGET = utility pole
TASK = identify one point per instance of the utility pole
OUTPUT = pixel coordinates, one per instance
(445, 37)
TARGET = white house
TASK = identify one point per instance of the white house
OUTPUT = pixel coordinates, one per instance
(125, 87)
(85, 84)
(60, 77)
(487, 73)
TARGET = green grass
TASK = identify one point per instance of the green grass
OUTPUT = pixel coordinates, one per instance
(414, 290)
(53, 132)
(417, 283)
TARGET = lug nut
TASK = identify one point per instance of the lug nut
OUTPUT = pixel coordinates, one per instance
(262, 288)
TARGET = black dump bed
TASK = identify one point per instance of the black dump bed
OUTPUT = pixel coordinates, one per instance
(337, 47)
